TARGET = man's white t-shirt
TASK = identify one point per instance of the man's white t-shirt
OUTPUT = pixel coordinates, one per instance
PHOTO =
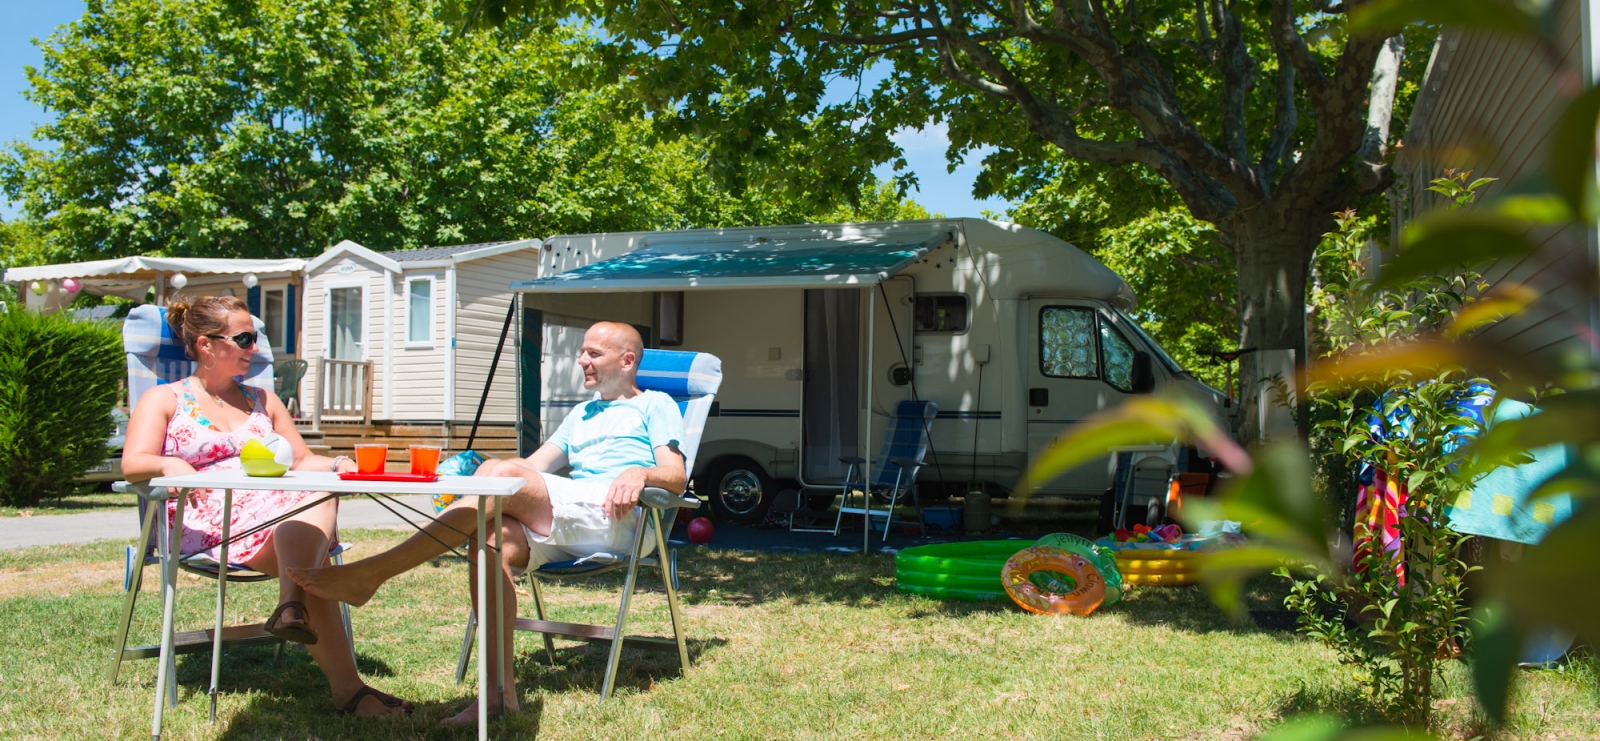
(604, 438)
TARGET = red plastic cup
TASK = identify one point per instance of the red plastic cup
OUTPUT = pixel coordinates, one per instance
(371, 457)
(425, 459)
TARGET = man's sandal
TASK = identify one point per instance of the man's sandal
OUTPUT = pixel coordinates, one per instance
(388, 700)
(298, 631)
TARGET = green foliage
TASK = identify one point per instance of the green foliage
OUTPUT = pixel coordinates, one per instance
(221, 129)
(58, 382)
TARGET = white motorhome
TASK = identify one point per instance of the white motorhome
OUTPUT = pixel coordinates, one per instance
(823, 329)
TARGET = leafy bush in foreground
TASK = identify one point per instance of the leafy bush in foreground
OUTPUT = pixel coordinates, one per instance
(58, 382)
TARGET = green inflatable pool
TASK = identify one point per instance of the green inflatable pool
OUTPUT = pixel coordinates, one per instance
(959, 571)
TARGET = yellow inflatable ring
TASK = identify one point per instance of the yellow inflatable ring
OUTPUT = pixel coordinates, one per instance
(1031, 578)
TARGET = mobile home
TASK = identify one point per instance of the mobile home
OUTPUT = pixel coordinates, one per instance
(823, 329)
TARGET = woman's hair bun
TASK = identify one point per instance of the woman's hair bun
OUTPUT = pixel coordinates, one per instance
(175, 312)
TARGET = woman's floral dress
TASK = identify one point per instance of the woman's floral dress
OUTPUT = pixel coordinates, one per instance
(193, 437)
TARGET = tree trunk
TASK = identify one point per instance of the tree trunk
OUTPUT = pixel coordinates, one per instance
(1273, 260)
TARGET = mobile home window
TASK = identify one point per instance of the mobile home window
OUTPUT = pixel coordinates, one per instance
(1067, 343)
(1117, 356)
(419, 310)
(941, 313)
(274, 317)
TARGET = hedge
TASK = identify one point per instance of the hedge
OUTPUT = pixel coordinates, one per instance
(58, 384)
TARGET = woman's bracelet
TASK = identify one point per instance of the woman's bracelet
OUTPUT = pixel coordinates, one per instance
(336, 460)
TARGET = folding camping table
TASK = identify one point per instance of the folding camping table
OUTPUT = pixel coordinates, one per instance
(484, 487)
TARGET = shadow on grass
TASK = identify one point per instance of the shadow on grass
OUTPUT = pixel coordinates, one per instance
(582, 667)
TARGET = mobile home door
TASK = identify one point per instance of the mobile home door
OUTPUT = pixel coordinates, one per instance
(1078, 364)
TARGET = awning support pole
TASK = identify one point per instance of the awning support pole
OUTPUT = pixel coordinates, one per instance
(866, 502)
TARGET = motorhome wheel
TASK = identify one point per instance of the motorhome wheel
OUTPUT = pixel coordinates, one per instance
(739, 491)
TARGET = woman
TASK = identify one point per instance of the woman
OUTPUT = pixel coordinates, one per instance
(201, 423)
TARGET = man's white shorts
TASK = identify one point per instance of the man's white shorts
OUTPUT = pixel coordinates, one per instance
(579, 525)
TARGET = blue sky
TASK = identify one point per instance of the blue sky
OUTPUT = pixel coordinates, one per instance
(949, 193)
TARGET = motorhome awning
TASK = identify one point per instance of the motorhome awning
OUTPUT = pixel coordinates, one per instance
(752, 263)
(132, 276)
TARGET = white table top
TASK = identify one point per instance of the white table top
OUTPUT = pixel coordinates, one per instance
(468, 486)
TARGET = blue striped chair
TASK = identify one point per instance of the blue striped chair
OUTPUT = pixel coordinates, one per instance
(905, 442)
(692, 379)
(155, 357)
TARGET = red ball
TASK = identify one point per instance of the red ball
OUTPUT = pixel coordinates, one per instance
(700, 530)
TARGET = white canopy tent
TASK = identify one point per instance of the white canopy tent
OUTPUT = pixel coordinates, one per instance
(132, 277)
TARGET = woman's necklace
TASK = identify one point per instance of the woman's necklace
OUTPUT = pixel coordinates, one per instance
(216, 397)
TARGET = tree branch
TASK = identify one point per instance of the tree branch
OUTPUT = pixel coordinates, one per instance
(1286, 117)
(1238, 78)
(1288, 41)
(1380, 109)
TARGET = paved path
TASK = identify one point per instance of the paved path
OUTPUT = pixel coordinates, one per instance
(22, 532)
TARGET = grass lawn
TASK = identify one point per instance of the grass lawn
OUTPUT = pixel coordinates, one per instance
(92, 501)
(786, 646)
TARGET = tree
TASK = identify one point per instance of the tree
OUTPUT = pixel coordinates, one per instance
(1256, 115)
(214, 128)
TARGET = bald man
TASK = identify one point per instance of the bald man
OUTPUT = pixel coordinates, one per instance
(617, 444)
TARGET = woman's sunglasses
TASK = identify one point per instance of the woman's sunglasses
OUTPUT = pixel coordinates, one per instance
(245, 340)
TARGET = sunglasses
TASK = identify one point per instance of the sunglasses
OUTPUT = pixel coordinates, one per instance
(245, 340)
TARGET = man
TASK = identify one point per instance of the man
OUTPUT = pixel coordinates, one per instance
(617, 445)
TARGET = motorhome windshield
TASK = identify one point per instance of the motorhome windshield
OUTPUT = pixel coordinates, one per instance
(1172, 365)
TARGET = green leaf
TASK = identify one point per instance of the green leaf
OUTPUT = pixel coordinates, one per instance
(1496, 644)
(1389, 16)
(1572, 154)
(1551, 586)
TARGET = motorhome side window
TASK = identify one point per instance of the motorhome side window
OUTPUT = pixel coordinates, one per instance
(1116, 356)
(1067, 344)
(941, 312)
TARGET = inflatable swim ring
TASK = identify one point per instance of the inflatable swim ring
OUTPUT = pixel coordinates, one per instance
(1104, 559)
(1053, 581)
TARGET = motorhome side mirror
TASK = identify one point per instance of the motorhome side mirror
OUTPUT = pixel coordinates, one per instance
(1144, 375)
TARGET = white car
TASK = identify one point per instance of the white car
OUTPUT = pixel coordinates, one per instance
(110, 469)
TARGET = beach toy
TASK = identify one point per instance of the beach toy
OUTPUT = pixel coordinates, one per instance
(1104, 559)
(700, 530)
(266, 457)
(1159, 566)
(1053, 581)
(464, 463)
(956, 571)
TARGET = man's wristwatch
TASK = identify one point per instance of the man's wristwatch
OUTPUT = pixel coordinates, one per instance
(336, 462)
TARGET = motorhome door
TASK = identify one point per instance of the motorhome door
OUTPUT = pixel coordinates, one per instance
(1079, 363)
(832, 396)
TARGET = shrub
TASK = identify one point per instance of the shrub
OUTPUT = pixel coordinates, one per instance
(58, 383)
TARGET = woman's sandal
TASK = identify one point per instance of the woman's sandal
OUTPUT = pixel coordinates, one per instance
(299, 631)
(388, 700)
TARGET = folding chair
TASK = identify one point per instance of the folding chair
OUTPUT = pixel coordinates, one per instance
(905, 442)
(692, 380)
(155, 357)
(287, 375)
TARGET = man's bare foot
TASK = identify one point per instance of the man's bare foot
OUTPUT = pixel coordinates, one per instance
(373, 704)
(469, 717)
(351, 584)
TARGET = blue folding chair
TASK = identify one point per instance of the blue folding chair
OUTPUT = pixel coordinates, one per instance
(905, 442)
(155, 357)
(692, 380)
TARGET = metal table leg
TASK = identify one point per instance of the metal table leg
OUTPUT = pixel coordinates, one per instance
(222, 592)
(483, 624)
(169, 597)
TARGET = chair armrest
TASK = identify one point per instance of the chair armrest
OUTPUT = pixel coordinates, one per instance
(854, 460)
(909, 464)
(662, 499)
(145, 491)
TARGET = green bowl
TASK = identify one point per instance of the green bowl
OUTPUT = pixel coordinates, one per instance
(262, 467)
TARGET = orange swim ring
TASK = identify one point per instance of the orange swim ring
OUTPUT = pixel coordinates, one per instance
(1052, 581)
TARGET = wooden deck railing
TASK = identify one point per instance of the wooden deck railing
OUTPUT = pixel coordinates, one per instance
(344, 392)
